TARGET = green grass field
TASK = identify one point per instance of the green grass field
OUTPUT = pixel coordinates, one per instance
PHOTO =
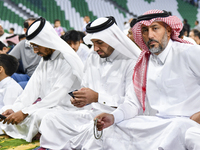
(7, 143)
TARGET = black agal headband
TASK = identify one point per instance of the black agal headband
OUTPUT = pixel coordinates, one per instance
(151, 16)
(37, 31)
(105, 25)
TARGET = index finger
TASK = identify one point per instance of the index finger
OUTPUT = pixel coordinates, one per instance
(99, 116)
(5, 120)
(78, 93)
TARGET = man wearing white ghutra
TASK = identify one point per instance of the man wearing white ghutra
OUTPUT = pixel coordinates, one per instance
(107, 76)
(58, 73)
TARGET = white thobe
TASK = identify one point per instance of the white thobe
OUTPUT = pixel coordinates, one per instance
(83, 52)
(192, 138)
(173, 80)
(9, 91)
(110, 77)
(51, 81)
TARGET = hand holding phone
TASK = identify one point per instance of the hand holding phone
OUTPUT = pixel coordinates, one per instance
(2, 117)
(71, 93)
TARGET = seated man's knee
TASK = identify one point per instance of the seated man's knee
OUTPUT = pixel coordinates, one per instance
(192, 137)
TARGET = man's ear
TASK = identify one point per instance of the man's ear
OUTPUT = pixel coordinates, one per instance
(5, 50)
(25, 30)
(169, 30)
(1, 69)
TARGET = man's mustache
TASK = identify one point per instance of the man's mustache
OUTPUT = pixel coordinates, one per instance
(39, 53)
(99, 51)
(151, 40)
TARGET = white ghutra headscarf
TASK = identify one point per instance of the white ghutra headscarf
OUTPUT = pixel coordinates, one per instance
(105, 29)
(42, 33)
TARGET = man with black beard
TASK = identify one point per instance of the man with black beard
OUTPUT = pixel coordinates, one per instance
(42, 51)
(58, 73)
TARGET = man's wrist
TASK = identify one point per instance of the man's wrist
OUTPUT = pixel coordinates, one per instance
(24, 115)
(118, 116)
(97, 97)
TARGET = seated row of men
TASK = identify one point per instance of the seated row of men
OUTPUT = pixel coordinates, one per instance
(141, 99)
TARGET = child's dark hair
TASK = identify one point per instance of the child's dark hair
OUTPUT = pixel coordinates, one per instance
(21, 36)
(12, 29)
(9, 63)
(71, 35)
(56, 20)
(82, 34)
(2, 45)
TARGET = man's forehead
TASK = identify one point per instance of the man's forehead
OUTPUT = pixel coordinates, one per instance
(33, 44)
(153, 24)
(96, 40)
(73, 42)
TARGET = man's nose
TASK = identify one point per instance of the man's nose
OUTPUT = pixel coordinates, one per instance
(35, 50)
(150, 34)
(96, 48)
(72, 46)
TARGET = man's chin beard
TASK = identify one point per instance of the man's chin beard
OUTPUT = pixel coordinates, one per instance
(47, 57)
(156, 50)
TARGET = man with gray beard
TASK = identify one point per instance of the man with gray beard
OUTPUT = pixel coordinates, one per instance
(167, 76)
(161, 44)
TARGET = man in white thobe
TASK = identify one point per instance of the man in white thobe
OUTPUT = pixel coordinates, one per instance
(58, 73)
(107, 75)
(167, 76)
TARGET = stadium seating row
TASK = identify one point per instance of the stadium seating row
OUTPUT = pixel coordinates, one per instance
(71, 12)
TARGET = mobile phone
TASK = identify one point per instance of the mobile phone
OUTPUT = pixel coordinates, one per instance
(71, 93)
(2, 116)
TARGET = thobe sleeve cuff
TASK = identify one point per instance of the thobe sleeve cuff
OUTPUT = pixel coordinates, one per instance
(29, 110)
(17, 107)
(118, 115)
(103, 99)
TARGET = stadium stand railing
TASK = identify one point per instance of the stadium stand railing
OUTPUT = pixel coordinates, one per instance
(71, 12)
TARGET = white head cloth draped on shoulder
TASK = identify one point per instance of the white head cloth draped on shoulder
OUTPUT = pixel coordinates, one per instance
(105, 29)
(42, 33)
(140, 70)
